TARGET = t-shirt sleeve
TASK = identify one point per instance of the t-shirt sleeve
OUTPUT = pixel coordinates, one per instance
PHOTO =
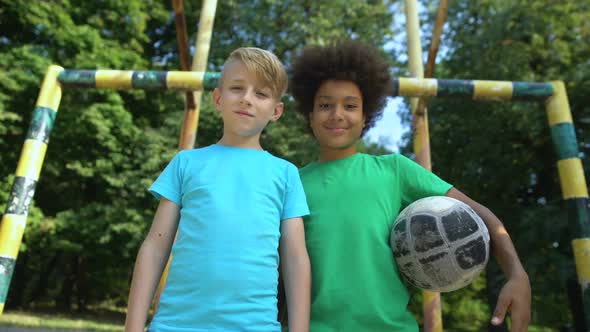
(416, 182)
(169, 183)
(295, 203)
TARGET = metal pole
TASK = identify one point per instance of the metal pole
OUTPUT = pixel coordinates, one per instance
(28, 169)
(573, 185)
(203, 43)
(431, 300)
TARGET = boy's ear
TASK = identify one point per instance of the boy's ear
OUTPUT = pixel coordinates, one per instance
(278, 112)
(217, 99)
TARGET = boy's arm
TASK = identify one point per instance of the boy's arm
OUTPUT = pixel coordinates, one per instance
(296, 273)
(151, 259)
(516, 293)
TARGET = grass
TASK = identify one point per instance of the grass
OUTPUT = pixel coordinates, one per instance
(99, 321)
(62, 321)
(542, 329)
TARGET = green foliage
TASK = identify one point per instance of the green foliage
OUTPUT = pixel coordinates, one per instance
(368, 147)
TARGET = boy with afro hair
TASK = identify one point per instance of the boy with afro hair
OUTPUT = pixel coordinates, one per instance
(354, 198)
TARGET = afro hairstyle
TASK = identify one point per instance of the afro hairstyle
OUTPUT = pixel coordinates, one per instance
(343, 60)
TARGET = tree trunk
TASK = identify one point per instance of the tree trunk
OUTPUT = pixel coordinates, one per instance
(81, 289)
(43, 282)
(65, 298)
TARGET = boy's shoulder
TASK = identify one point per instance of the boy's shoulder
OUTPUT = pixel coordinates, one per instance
(281, 162)
(387, 156)
(392, 159)
(184, 156)
(197, 151)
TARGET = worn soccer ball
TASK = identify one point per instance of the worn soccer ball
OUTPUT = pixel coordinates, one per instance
(440, 244)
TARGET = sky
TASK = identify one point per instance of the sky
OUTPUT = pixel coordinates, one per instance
(389, 126)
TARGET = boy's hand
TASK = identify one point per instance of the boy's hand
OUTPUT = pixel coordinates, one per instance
(515, 297)
(516, 293)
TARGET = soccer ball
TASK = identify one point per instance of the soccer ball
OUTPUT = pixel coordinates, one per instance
(440, 244)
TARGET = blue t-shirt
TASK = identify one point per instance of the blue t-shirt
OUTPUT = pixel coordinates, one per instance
(224, 270)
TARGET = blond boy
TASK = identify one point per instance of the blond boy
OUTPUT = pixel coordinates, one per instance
(231, 204)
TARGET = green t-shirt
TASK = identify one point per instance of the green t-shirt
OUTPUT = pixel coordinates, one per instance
(353, 203)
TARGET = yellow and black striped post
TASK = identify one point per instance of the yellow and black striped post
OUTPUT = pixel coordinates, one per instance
(14, 219)
(474, 89)
(143, 80)
(573, 185)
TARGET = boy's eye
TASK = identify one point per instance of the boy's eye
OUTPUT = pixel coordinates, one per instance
(350, 107)
(235, 88)
(324, 106)
(262, 94)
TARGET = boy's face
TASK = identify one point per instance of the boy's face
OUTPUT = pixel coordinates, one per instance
(337, 120)
(245, 105)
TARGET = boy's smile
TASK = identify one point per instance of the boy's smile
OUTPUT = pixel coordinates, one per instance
(336, 130)
(244, 113)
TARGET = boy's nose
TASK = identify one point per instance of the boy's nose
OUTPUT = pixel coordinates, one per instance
(246, 98)
(336, 112)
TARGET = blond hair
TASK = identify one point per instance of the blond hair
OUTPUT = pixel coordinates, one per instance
(266, 67)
